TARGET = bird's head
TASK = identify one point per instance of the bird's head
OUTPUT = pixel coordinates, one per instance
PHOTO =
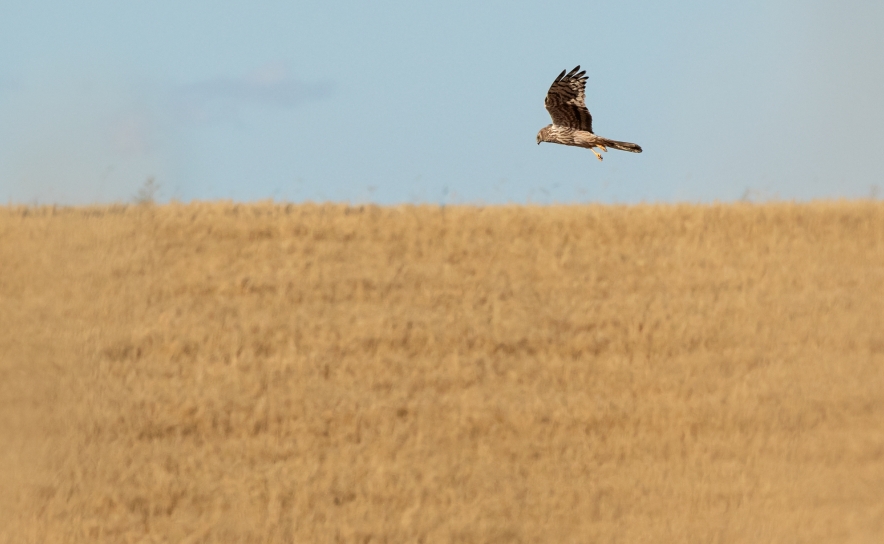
(543, 135)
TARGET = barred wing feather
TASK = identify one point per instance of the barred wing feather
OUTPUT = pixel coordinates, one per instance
(566, 101)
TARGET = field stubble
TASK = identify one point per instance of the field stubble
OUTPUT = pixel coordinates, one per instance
(321, 373)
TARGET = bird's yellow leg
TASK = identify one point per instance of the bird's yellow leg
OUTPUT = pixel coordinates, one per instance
(599, 157)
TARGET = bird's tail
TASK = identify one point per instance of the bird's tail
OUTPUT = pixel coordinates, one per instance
(622, 146)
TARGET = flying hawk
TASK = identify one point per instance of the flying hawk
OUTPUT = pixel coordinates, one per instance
(571, 121)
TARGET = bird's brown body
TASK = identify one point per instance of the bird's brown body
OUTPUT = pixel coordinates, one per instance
(582, 138)
(572, 122)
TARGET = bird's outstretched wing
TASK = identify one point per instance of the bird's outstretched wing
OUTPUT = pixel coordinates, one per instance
(566, 101)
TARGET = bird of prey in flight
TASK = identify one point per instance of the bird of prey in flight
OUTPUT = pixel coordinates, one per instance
(571, 121)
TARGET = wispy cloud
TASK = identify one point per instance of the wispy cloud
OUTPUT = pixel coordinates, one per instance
(95, 137)
(224, 98)
(130, 133)
(7, 84)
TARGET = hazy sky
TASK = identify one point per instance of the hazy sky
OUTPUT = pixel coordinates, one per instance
(438, 102)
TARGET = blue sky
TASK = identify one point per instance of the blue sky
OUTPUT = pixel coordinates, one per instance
(438, 102)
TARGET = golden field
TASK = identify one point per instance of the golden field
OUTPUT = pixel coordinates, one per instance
(321, 373)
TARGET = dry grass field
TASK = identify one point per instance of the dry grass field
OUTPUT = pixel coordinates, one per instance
(268, 373)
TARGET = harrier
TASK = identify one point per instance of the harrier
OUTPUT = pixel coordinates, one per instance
(571, 121)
